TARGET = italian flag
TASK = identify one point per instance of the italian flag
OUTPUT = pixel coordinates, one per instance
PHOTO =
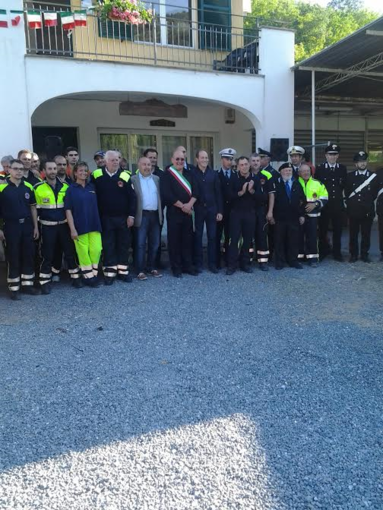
(50, 19)
(67, 20)
(3, 19)
(80, 18)
(16, 17)
(34, 19)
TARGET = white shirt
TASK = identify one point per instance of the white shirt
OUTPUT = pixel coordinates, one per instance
(149, 193)
(362, 172)
(110, 175)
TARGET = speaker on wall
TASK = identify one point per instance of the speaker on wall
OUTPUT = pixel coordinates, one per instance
(278, 148)
(229, 115)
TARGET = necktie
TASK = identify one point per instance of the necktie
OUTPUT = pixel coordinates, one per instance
(227, 174)
(288, 189)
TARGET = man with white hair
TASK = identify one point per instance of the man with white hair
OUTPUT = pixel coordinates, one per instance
(117, 206)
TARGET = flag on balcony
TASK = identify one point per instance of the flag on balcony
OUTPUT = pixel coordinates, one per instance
(34, 19)
(16, 17)
(3, 19)
(80, 18)
(67, 20)
(50, 19)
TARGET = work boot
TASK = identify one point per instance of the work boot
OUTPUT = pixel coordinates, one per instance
(15, 295)
(30, 290)
(126, 278)
(264, 266)
(46, 289)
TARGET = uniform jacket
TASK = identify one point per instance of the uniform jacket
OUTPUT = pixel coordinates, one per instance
(335, 182)
(285, 209)
(137, 188)
(248, 201)
(210, 194)
(226, 189)
(172, 191)
(379, 202)
(361, 204)
(115, 195)
(16, 201)
(50, 202)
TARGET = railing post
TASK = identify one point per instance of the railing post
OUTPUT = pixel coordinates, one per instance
(154, 30)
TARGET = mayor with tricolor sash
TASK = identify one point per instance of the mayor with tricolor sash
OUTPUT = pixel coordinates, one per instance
(179, 192)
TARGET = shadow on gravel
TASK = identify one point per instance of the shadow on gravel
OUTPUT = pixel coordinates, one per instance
(93, 370)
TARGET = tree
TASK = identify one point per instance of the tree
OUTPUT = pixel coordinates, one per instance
(315, 27)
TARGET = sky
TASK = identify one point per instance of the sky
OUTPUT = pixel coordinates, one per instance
(374, 5)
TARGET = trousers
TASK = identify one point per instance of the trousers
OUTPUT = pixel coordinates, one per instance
(362, 226)
(88, 248)
(116, 244)
(20, 253)
(242, 224)
(308, 246)
(336, 218)
(286, 241)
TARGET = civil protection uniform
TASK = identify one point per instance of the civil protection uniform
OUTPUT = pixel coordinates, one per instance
(289, 207)
(82, 202)
(361, 191)
(54, 230)
(208, 205)
(226, 178)
(176, 186)
(242, 221)
(266, 185)
(116, 202)
(315, 192)
(15, 210)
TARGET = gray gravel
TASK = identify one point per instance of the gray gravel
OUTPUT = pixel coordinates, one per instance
(258, 391)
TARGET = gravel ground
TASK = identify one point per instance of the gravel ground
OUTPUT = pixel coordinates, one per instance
(258, 391)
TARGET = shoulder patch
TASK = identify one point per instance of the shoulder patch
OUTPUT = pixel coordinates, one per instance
(3, 186)
(125, 176)
(97, 173)
(28, 185)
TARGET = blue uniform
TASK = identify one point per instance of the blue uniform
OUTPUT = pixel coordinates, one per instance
(82, 202)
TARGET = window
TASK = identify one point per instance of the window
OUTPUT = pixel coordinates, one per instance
(131, 146)
(214, 18)
(169, 143)
(205, 143)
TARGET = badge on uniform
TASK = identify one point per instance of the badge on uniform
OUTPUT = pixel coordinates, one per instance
(45, 200)
(120, 183)
(315, 195)
(263, 182)
(27, 196)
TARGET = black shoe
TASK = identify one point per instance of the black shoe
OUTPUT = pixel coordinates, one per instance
(366, 258)
(46, 289)
(230, 271)
(296, 265)
(247, 269)
(192, 272)
(77, 283)
(278, 267)
(15, 295)
(160, 265)
(126, 278)
(313, 264)
(213, 270)
(177, 274)
(32, 291)
(264, 266)
(199, 270)
(338, 257)
(108, 280)
(353, 259)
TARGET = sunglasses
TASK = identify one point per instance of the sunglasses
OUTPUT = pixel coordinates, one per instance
(180, 159)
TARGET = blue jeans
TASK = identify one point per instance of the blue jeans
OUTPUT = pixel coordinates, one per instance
(149, 230)
(202, 216)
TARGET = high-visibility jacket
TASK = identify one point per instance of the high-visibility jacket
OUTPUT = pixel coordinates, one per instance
(316, 192)
(50, 202)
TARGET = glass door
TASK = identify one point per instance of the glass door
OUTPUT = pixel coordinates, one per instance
(169, 144)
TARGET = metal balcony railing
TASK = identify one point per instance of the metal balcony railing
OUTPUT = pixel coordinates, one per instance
(176, 37)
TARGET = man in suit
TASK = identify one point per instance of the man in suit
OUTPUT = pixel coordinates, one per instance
(148, 219)
(226, 176)
(288, 215)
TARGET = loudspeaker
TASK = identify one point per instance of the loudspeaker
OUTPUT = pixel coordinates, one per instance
(229, 116)
(278, 148)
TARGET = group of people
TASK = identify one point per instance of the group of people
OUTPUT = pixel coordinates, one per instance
(61, 213)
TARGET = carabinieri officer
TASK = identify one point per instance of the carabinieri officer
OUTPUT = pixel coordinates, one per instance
(17, 209)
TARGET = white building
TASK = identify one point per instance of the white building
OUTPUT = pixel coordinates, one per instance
(194, 77)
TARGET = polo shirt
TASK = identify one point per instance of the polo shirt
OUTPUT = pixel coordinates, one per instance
(82, 202)
(16, 201)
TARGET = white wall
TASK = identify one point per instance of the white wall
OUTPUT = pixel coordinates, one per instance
(276, 57)
(92, 116)
(15, 129)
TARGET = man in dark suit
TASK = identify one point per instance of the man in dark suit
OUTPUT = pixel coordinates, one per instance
(208, 210)
(226, 176)
(148, 218)
(288, 215)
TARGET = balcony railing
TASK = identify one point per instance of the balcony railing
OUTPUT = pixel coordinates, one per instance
(176, 37)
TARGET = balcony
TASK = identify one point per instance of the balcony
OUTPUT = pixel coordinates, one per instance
(216, 39)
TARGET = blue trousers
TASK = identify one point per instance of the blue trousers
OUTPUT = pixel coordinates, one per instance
(202, 216)
(149, 231)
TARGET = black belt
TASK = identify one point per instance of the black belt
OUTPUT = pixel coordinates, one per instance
(146, 211)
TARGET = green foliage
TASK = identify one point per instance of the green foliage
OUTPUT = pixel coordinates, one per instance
(315, 27)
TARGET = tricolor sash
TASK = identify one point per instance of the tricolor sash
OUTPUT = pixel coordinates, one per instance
(181, 180)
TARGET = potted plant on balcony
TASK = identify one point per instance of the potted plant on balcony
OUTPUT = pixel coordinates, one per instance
(126, 11)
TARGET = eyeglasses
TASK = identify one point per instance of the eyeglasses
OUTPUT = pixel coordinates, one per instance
(180, 159)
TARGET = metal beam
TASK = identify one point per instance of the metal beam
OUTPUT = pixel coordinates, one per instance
(350, 72)
(313, 115)
(379, 33)
(336, 71)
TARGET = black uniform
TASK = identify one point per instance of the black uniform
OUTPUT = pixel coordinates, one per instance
(15, 210)
(208, 205)
(180, 224)
(242, 220)
(266, 186)
(271, 228)
(361, 210)
(379, 210)
(334, 178)
(223, 227)
(287, 211)
(116, 202)
(159, 173)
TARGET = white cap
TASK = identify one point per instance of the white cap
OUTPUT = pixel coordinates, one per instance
(295, 149)
(227, 153)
